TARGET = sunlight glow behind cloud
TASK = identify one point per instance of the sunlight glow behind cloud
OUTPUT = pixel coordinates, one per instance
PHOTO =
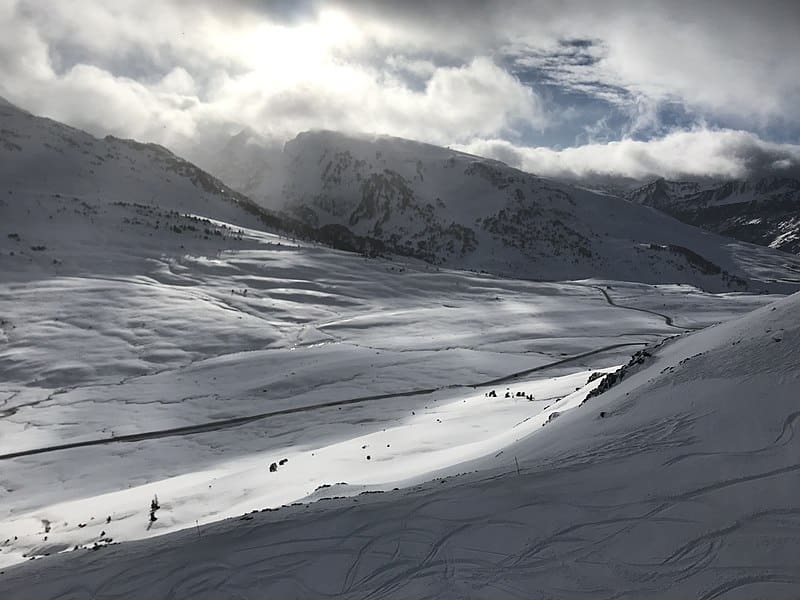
(498, 78)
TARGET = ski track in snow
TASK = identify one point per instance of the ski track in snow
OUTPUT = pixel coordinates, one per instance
(516, 537)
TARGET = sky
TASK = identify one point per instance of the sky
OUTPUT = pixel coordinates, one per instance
(573, 88)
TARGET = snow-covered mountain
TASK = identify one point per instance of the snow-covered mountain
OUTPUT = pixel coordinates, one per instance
(763, 210)
(463, 211)
(121, 192)
(251, 160)
(154, 340)
(41, 156)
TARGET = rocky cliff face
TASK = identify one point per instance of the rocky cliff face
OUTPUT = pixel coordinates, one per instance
(764, 211)
(458, 210)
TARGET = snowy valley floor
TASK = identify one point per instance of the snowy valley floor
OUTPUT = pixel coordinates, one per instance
(366, 376)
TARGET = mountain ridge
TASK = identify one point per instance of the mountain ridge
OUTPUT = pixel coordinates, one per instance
(763, 210)
(462, 211)
(47, 163)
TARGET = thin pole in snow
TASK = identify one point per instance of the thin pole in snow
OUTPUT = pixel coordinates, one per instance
(517, 462)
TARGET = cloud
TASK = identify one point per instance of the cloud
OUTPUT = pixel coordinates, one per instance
(732, 57)
(446, 72)
(164, 73)
(694, 153)
(475, 97)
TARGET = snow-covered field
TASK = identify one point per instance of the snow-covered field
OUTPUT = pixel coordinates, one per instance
(680, 481)
(403, 355)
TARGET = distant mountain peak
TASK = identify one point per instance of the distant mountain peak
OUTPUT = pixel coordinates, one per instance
(763, 210)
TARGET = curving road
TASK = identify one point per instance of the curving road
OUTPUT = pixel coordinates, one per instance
(667, 319)
(239, 421)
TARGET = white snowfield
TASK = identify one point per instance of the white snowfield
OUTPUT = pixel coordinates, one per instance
(154, 342)
(679, 482)
(368, 372)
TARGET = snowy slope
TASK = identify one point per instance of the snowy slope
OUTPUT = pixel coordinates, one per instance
(42, 156)
(166, 378)
(762, 211)
(463, 211)
(678, 482)
(120, 194)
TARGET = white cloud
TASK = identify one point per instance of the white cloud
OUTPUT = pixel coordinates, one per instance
(204, 70)
(730, 57)
(723, 60)
(699, 152)
(173, 71)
